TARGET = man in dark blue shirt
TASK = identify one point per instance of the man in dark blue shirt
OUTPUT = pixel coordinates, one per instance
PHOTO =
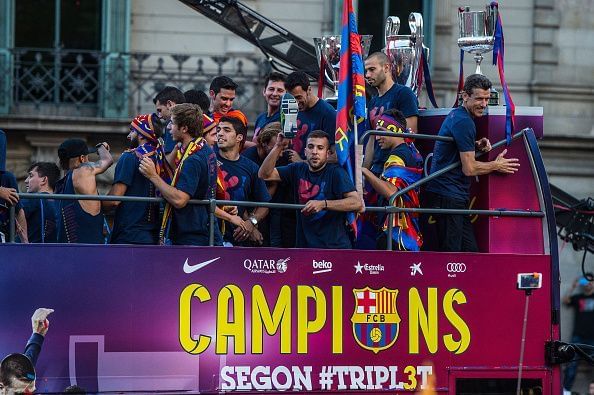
(137, 222)
(451, 190)
(314, 114)
(390, 95)
(324, 188)
(195, 178)
(274, 89)
(241, 183)
(41, 213)
(165, 99)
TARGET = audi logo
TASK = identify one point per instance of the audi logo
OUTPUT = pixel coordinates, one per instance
(456, 267)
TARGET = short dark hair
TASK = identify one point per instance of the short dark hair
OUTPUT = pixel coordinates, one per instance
(238, 125)
(159, 124)
(476, 81)
(274, 76)
(47, 169)
(222, 82)
(190, 116)
(195, 96)
(269, 132)
(319, 134)
(16, 366)
(169, 93)
(295, 79)
(381, 57)
(397, 115)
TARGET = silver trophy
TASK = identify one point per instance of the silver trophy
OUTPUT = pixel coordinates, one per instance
(477, 32)
(328, 48)
(404, 51)
(477, 36)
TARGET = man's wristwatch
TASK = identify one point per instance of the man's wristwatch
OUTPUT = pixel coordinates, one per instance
(253, 220)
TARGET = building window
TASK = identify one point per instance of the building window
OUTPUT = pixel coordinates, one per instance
(372, 15)
(57, 59)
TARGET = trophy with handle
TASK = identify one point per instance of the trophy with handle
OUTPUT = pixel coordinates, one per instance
(477, 36)
(404, 51)
(328, 54)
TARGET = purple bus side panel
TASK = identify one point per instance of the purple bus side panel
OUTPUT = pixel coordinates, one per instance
(118, 314)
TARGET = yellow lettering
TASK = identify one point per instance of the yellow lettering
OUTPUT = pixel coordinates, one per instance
(336, 320)
(304, 325)
(280, 317)
(456, 346)
(230, 326)
(412, 378)
(425, 320)
(185, 319)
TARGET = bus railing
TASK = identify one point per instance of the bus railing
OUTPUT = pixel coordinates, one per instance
(390, 209)
(212, 203)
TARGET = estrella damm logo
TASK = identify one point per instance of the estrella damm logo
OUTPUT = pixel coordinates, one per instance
(375, 320)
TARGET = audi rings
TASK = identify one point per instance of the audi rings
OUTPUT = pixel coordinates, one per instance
(456, 267)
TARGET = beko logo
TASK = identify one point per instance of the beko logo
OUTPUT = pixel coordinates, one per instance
(321, 266)
(456, 267)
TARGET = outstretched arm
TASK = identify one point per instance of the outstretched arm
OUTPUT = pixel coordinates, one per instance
(472, 167)
(349, 202)
(40, 325)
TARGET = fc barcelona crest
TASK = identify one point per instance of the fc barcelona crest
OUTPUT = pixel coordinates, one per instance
(375, 320)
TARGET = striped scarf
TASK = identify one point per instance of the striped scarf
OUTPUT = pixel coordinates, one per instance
(181, 156)
(405, 232)
(153, 148)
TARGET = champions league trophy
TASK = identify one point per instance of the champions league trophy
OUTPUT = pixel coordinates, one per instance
(328, 49)
(404, 51)
(477, 36)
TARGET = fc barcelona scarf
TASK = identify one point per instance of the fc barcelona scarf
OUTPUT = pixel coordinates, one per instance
(153, 148)
(182, 154)
(405, 231)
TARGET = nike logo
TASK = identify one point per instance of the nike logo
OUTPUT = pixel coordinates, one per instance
(192, 268)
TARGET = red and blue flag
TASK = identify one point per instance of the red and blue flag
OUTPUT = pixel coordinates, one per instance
(351, 94)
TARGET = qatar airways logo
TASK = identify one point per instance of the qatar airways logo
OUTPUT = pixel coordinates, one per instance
(266, 266)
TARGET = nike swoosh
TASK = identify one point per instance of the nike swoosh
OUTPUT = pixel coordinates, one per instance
(192, 268)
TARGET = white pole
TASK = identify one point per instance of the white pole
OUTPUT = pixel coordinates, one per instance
(358, 159)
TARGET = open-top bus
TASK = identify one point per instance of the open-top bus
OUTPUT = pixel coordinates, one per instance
(215, 319)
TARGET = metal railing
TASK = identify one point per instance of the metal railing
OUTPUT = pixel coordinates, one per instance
(73, 82)
(390, 209)
(212, 203)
